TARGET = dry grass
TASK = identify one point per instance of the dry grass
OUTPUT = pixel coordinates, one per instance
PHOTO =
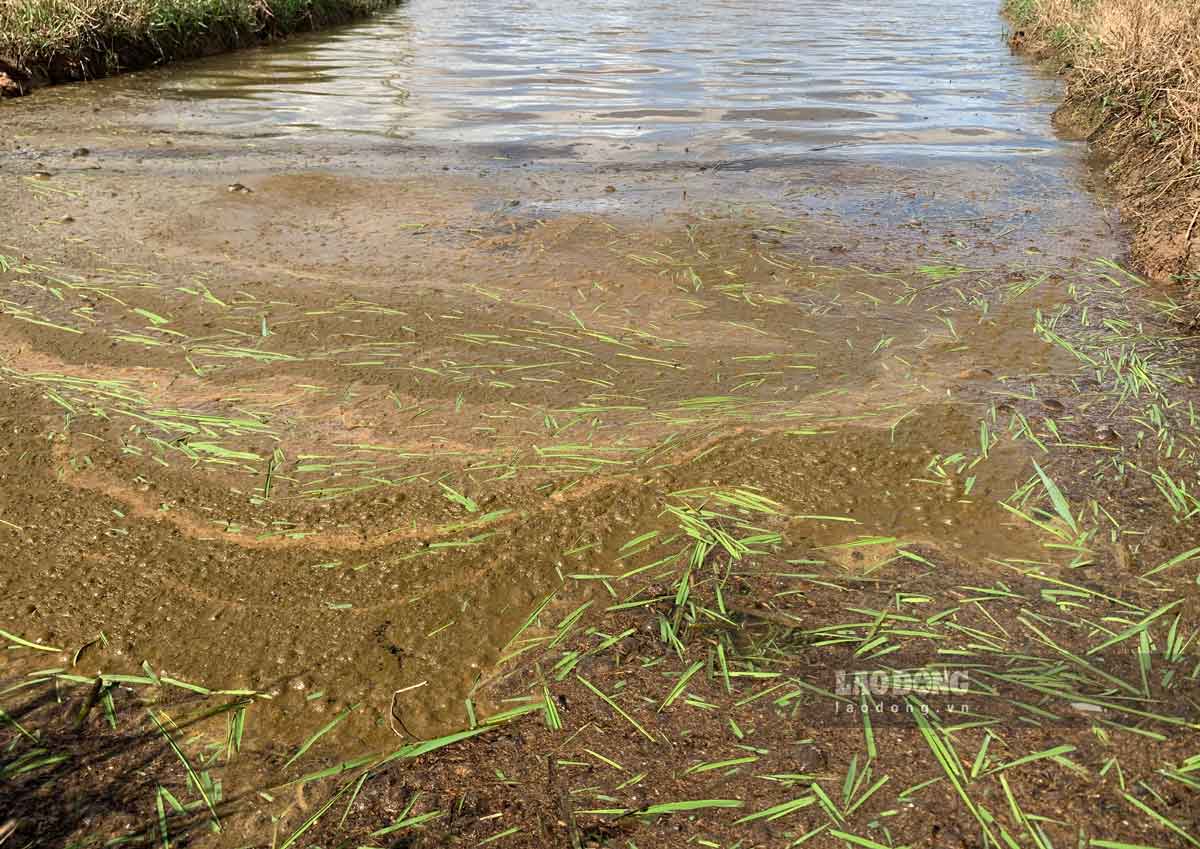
(56, 40)
(1134, 82)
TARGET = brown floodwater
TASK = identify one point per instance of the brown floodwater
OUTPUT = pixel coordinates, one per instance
(503, 277)
(636, 80)
(916, 115)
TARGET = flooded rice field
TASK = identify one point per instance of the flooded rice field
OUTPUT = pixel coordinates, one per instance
(519, 424)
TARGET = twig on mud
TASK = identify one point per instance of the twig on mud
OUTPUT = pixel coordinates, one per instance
(1191, 227)
(395, 717)
(564, 806)
(90, 702)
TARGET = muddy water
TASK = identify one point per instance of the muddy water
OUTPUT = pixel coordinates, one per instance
(501, 278)
(915, 114)
(915, 77)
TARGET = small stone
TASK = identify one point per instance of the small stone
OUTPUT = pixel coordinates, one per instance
(610, 189)
(80, 152)
(10, 87)
(239, 188)
(66, 219)
(975, 374)
(1053, 405)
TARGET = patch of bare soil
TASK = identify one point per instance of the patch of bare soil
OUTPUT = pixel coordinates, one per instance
(1160, 204)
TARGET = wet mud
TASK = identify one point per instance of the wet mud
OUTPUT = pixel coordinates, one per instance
(383, 441)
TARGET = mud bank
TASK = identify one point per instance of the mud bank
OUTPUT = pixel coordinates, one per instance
(43, 42)
(1133, 90)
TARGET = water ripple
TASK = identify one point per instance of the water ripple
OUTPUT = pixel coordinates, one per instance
(924, 77)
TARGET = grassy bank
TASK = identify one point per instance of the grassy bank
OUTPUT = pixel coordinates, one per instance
(44, 41)
(1133, 72)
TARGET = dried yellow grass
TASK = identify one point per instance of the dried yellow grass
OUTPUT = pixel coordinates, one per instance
(1133, 71)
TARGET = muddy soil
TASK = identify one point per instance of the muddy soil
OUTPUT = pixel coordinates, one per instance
(592, 477)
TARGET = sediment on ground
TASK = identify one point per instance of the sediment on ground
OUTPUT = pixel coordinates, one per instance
(394, 495)
(592, 553)
(1133, 85)
(51, 41)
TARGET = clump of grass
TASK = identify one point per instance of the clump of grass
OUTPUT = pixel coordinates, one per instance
(1133, 71)
(57, 40)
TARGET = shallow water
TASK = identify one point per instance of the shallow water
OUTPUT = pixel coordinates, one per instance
(785, 78)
